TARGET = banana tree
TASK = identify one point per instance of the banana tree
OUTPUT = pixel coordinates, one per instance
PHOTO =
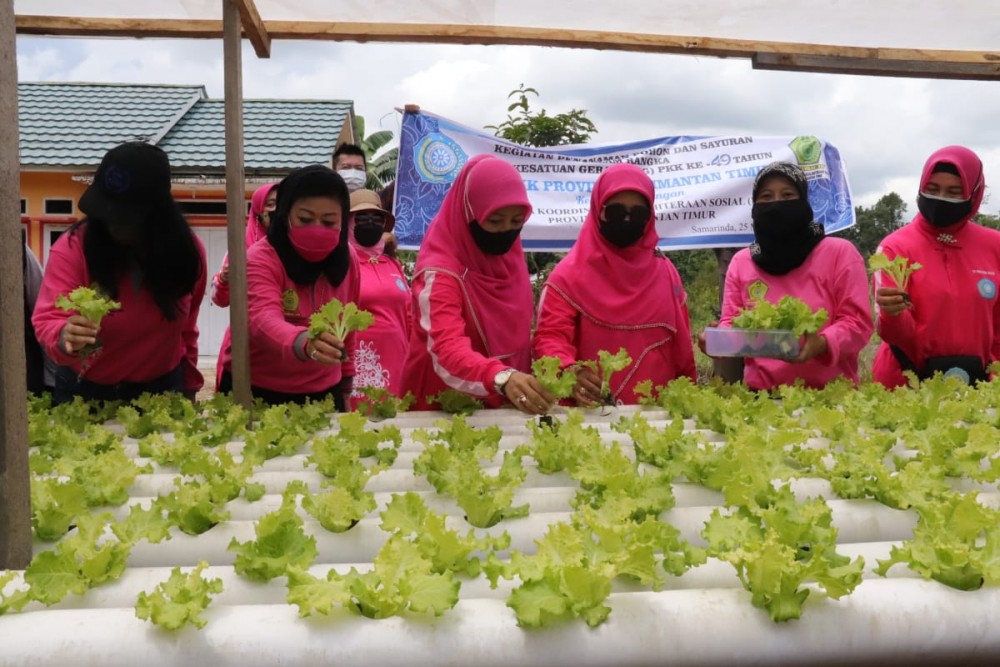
(381, 166)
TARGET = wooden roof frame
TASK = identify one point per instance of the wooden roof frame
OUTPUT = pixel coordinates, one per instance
(926, 63)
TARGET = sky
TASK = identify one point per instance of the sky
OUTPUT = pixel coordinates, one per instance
(885, 128)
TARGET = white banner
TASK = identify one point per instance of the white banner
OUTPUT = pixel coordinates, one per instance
(703, 184)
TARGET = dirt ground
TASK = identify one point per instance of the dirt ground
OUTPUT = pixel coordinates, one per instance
(209, 389)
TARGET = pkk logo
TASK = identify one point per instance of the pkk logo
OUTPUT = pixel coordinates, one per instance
(808, 150)
(987, 288)
(290, 301)
(757, 290)
(438, 159)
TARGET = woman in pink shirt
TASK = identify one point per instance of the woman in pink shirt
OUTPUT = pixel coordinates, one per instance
(262, 205)
(614, 291)
(948, 320)
(791, 255)
(136, 248)
(305, 262)
(471, 295)
(385, 293)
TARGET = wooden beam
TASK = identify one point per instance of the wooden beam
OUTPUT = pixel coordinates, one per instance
(876, 67)
(254, 28)
(488, 34)
(236, 205)
(15, 496)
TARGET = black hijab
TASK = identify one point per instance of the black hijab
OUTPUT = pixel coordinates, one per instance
(784, 231)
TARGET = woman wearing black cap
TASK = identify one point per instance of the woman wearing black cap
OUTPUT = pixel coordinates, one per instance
(135, 247)
(305, 263)
(791, 255)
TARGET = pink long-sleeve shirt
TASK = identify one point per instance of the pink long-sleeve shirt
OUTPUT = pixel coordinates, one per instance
(279, 311)
(955, 306)
(447, 349)
(138, 343)
(383, 347)
(658, 353)
(832, 277)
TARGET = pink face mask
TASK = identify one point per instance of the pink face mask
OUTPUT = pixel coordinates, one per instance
(314, 242)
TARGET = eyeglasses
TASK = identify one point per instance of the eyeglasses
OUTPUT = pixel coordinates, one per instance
(369, 219)
(617, 213)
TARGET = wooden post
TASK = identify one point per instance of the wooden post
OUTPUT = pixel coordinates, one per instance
(236, 202)
(15, 498)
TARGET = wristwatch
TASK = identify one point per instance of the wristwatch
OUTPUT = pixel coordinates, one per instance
(500, 379)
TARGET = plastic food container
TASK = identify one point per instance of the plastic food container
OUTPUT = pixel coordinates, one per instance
(773, 343)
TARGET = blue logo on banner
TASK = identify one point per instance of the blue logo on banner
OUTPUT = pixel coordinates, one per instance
(438, 159)
(987, 288)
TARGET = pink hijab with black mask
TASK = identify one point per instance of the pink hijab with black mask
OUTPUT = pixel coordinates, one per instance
(621, 293)
(617, 286)
(970, 170)
(496, 287)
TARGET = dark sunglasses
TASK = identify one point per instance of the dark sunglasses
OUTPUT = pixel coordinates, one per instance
(617, 213)
(369, 219)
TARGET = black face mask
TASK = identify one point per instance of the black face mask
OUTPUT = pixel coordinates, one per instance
(777, 220)
(493, 243)
(784, 235)
(624, 227)
(368, 234)
(941, 213)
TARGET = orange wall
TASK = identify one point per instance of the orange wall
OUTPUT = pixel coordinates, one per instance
(37, 186)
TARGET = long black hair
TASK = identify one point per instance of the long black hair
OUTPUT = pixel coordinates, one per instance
(312, 181)
(166, 255)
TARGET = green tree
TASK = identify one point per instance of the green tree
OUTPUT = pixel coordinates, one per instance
(987, 220)
(530, 128)
(875, 223)
(381, 166)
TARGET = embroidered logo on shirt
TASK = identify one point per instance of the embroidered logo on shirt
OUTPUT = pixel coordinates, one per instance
(290, 301)
(400, 284)
(757, 290)
(946, 238)
(987, 288)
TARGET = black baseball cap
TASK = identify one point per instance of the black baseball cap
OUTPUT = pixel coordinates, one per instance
(132, 179)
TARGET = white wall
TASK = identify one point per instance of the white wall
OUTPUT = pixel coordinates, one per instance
(212, 320)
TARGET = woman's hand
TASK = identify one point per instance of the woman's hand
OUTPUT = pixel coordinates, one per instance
(892, 301)
(701, 337)
(528, 395)
(77, 333)
(224, 275)
(815, 345)
(587, 391)
(325, 349)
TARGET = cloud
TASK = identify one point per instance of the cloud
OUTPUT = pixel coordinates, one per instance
(883, 127)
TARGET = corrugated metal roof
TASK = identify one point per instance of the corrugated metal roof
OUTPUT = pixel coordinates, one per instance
(74, 124)
(277, 134)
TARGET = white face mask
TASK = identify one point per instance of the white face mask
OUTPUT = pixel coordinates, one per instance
(355, 178)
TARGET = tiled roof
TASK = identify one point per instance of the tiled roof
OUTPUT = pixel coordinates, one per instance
(277, 134)
(74, 124)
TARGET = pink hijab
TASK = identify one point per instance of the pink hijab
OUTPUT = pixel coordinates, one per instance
(970, 170)
(255, 230)
(496, 287)
(618, 288)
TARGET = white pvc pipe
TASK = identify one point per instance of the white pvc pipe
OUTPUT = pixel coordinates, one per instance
(893, 621)
(238, 590)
